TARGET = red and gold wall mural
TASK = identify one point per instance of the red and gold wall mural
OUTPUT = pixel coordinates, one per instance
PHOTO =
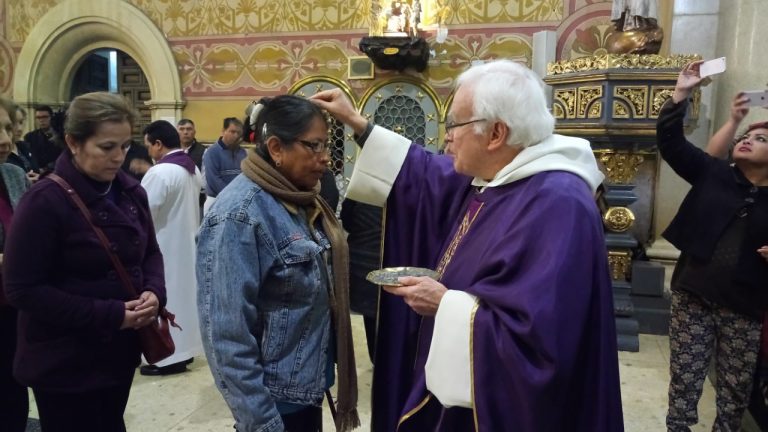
(230, 50)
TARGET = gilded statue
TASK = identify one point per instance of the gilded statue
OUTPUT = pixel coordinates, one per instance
(637, 28)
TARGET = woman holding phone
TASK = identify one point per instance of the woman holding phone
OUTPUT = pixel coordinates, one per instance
(718, 286)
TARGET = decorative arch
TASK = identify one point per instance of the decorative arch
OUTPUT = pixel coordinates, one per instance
(56, 45)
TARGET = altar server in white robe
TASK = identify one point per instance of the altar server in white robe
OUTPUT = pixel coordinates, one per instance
(173, 186)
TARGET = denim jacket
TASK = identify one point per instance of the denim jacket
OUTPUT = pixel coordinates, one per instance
(263, 302)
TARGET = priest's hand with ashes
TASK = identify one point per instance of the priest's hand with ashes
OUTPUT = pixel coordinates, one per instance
(422, 294)
(338, 105)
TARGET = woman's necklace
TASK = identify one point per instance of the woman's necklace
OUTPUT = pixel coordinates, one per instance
(109, 188)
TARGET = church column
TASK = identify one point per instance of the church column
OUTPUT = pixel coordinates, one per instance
(544, 52)
(166, 110)
(742, 41)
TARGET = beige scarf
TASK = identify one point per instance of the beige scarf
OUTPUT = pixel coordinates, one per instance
(266, 176)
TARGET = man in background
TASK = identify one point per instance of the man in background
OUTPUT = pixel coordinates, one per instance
(41, 140)
(194, 149)
(221, 162)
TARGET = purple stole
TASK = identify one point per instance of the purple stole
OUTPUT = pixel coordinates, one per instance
(181, 159)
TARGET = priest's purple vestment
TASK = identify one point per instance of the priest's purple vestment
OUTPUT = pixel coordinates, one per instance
(542, 336)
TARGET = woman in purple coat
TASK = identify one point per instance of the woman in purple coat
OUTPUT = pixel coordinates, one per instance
(78, 346)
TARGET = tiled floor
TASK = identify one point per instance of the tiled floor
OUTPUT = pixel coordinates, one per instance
(190, 402)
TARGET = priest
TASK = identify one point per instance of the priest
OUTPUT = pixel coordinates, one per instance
(517, 332)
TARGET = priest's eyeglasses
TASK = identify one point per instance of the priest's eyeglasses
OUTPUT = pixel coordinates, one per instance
(316, 146)
(450, 124)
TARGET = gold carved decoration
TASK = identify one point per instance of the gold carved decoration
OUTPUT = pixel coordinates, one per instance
(620, 263)
(621, 167)
(619, 219)
(590, 105)
(659, 95)
(565, 103)
(620, 110)
(636, 97)
(695, 104)
(620, 61)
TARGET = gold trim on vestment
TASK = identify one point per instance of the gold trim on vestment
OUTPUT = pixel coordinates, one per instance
(410, 413)
(472, 361)
(466, 223)
(460, 232)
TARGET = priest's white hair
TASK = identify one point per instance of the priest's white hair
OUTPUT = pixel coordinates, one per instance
(509, 92)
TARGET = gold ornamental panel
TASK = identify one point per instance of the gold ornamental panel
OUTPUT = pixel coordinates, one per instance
(621, 168)
(590, 105)
(620, 263)
(620, 110)
(619, 219)
(659, 95)
(695, 104)
(565, 103)
(635, 97)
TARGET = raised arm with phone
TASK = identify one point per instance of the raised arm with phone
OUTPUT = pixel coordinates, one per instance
(718, 295)
(726, 136)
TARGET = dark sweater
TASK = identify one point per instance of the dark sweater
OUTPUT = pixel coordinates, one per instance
(719, 193)
(71, 302)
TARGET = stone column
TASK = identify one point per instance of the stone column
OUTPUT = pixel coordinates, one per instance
(742, 40)
(166, 110)
(544, 52)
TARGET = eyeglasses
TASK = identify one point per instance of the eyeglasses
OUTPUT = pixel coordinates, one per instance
(316, 146)
(450, 124)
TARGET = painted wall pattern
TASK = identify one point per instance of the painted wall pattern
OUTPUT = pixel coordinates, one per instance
(226, 48)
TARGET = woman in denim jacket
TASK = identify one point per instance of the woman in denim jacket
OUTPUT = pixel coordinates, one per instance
(272, 272)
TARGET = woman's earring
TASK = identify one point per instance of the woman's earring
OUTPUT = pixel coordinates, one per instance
(278, 163)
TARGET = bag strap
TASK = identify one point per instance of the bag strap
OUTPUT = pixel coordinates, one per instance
(163, 312)
(99, 232)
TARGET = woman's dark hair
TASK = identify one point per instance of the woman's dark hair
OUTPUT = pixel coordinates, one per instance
(87, 111)
(46, 108)
(287, 117)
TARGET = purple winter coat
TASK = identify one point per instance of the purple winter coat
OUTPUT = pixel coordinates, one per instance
(70, 299)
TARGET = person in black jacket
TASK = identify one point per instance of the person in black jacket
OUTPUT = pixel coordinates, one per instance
(42, 142)
(137, 161)
(21, 156)
(719, 293)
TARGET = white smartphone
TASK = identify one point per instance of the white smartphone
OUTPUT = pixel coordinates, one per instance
(712, 67)
(757, 98)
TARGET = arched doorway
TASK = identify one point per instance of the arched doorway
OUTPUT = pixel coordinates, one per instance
(114, 71)
(60, 40)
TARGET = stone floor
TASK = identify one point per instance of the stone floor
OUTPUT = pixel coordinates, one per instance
(190, 402)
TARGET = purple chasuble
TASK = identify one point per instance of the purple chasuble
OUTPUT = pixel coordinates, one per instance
(181, 159)
(544, 354)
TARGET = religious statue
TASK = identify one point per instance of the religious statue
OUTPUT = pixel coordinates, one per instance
(637, 28)
(416, 13)
(398, 18)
